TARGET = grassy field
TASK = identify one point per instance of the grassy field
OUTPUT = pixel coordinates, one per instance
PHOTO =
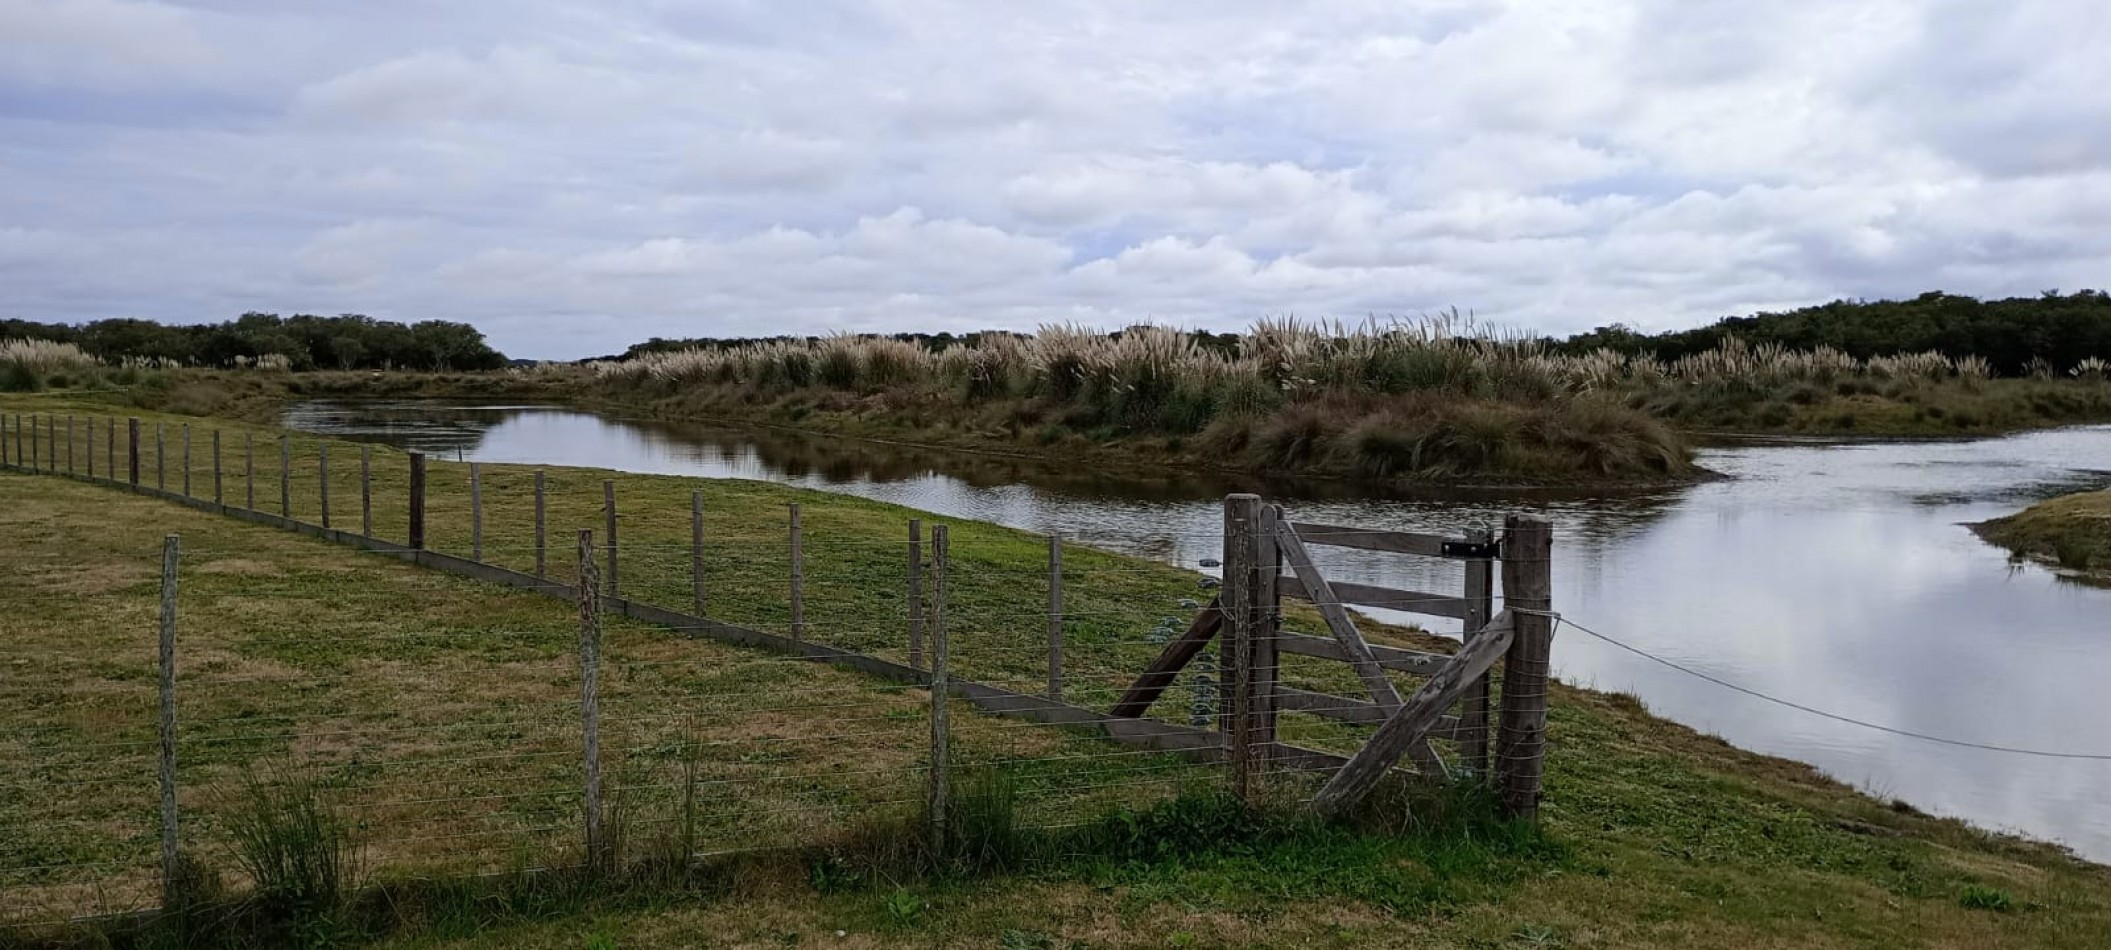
(2072, 531)
(439, 713)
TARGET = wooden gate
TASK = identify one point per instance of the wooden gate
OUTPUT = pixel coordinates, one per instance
(1261, 543)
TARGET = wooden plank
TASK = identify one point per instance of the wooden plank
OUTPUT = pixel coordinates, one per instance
(1473, 707)
(1360, 712)
(1242, 517)
(1366, 539)
(1263, 665)
(1389, 657)
(1360, 657)
(1521, 735)
(1384, 598)
(1410, 727)
(1176, 655)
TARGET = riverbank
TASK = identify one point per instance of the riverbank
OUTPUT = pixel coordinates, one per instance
(2072, 532)
(1658, 836)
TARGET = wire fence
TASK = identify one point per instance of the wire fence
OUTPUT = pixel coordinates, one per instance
(451, 721)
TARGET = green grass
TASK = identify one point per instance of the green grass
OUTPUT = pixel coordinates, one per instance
(1651, 834)
(2072, 531)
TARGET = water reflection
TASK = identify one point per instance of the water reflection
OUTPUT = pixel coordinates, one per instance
(1837, 575)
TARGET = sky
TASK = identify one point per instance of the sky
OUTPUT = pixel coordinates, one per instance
(573, 177)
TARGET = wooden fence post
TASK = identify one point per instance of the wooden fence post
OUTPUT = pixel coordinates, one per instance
(416, 540)
(36, 452)
(1055, 617)
(541, 563)
(1473, 707)
(249, 470)
(69, 445)
(88, 436)
(185, 438)
(1528, 595)
(936, 790)
(476, 513)
(1242, 525)
(696, 552)
(608, 504)
(366, 490)
(171, 546)
(798, 577)
(132, 448)
(597, 850)
(1261, 664)
(322, 478)
(916, 593)
(110, 460)
(218, 497)
(286, 477)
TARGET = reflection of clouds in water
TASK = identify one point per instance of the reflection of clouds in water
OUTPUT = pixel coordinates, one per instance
(1836, 575)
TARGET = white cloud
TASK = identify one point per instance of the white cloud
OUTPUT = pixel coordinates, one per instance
(572, 176)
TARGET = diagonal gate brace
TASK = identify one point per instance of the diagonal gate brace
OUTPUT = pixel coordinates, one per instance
(1410, 727)
(1160, 674)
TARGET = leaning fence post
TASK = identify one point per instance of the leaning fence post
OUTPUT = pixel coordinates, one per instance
(541, 564)
(590, 698)
(170, 548)
(366, 490)
(1055, 617)
(218, 498)
(798, 577)
(416, 539)
(1521, 740)
(916, 593)
(696, 551)
(286, 477)
(936, 790)
(185, 438)
(132, 448)
(608, 504)
(476, 513)
(322, 479)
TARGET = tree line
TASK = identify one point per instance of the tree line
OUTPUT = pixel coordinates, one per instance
(307, 341)
(2012, 334)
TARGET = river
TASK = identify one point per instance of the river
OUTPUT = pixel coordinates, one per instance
(1834, 575)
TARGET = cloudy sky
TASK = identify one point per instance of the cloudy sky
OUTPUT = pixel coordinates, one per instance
(575, 176)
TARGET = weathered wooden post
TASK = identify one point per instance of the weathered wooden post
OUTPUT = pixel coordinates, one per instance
(218, 497)
(1242, 526)
(541, 564)
(322, 481)
(916, 593)
(366, 490)
(110, 460)
(798, 577)
(936, 786)
(1055, 617)
(171, 546)
(132, 448)
(696, 552)
(88, 436)
(608, 505)
(1528, 595)
(1473, 708)
(36, 454)
(476, 513)
(416, 540)
(185, 438)
(286, 477)
(598, 853)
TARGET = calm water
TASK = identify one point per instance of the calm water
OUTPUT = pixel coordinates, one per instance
(1839, 576)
